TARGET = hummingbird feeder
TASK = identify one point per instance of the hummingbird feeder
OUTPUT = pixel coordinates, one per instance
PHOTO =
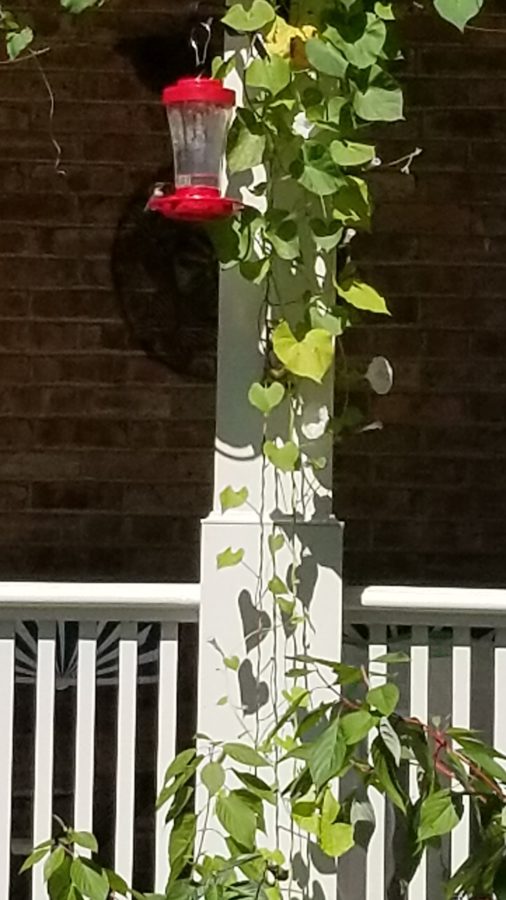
(199, 111)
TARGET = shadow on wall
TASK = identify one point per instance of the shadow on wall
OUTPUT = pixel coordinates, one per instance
(165, 273)
(165, 276)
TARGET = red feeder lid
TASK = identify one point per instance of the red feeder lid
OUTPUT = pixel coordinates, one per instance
(198, 204)
(199, 90)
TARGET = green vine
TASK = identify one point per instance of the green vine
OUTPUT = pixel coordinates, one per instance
(316, 77)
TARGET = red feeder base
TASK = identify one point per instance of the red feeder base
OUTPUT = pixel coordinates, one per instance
(197, 204)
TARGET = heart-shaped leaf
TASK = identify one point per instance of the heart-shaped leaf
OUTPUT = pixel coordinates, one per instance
(264, 398)
(325, 58)
(364, 50)
(229, 558)
(271, 74)
(284, 457)
(17, 41)
(232, 662)
(458, 12)
(348, 153)
(326, 235)
(245, 148)
(336, 839)
(231, 499)
(251, 17)
(379, 104)
(77, 6)
(310, 357)
(276, 543)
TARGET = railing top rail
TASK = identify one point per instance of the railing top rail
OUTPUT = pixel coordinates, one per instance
(401, 604)
(99, 601)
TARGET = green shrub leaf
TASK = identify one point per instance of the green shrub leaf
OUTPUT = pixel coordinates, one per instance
(89, 879)
(384, 698)
(337, 839)
(438, 816)
(248, 756)
(355, 726)
(53, 862)
(83, 839)
(327, 755)
(237, 818)
(213, 777)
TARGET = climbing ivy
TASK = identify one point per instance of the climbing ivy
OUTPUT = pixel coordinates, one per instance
(316, 80)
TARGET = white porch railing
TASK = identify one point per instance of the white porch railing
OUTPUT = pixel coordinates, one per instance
(84, 636)
(121, 637)
(456, 640)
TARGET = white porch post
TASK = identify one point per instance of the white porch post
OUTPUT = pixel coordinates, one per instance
(230, 595)
(232, 618)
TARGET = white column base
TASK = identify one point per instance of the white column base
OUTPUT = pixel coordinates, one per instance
(233, 611)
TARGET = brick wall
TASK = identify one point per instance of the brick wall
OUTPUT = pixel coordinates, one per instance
(425, 500)
(105, 455)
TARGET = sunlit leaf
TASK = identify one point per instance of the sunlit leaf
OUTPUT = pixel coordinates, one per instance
(17, 41)
(336, 839)
(310, 357)
(244, 754)
(384, 698)
(229, 558)
(325, 58)
(438, 815)
(83, 839)
(89, 879)
(264, 398)
(241, 18)
(348, 153)
(284, 457)
(363, 296)
(458, 12)
(237, 818)
(378, 104)
(53, 862)
(390, 739)
(272, 74)
(355, 726)
(231, 499)
(213, 777)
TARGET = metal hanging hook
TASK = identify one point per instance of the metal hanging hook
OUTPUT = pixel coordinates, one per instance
(202, 51)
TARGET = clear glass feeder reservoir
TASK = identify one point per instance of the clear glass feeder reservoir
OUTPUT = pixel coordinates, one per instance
(199, 111)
